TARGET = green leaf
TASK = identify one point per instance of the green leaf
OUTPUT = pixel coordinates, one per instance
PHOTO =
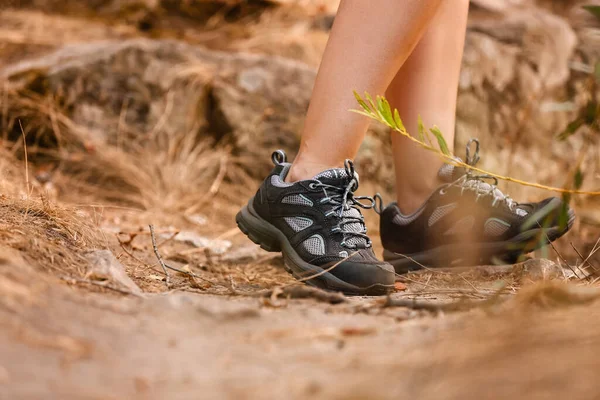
(571, 128)
(370, 100)
(361, 112)
(398, 121)
(421, 129)
(590, 112)
(578, 179)
(563, 216)
(594, 10)
(386, 111)
(361, 102)
(441, 141)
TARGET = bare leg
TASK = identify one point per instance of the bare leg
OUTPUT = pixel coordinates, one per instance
(368, 44)
(427, 85)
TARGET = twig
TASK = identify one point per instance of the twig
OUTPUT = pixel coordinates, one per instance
(26, 161)
(433, 270)
(236, 292)
(373, 112)
(328, 269)
(168, 239)
(181, 271)
(132, 255)
(593, 251)
(293, 291)
(585, 260)
(96, 283)
(306, 292)
(462, 292)
(557, 253)
(160, 260)
(433, 305)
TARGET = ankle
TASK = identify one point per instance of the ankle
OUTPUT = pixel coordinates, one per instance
(303, 170)
(410, 197)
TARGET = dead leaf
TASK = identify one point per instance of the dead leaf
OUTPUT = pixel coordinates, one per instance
(400, 287)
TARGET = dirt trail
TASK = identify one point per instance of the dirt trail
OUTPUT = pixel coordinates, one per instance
(59, 342)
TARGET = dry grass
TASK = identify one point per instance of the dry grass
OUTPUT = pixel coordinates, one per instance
(50, 237)
(171, 172)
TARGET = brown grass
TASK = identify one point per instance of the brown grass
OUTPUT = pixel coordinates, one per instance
(50, 237)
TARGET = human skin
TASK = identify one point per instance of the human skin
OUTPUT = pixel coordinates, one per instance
(369, 42)
(410, 50)
(427, 85)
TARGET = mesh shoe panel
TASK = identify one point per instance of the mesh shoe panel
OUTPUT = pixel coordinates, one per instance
(315, 245)
(298, 223)
(440, 213)
(297, 199)
(496, 227)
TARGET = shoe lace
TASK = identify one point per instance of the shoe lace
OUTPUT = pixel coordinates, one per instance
(480, 183)
(346, 208)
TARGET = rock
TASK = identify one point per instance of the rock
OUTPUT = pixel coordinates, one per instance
(122, 92)
(104, 266)
(197, 219)
(215, 246)
(518, 57)
(538, 269)
(141, 88)
(241, 254)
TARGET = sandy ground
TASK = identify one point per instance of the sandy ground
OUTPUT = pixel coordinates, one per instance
(60, 342)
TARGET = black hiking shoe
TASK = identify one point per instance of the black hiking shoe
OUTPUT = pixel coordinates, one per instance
(469, 222)
(318, 227)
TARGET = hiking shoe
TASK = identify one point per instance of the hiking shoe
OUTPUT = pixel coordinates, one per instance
(468, 221)
(318, 226)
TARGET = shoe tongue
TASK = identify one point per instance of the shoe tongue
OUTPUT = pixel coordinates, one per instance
(333, 175)
(449, 173)
(340, 177)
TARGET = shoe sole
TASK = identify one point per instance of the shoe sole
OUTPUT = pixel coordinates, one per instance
(271, 239)
(506, 252)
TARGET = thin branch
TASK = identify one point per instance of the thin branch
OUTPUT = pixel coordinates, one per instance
(434, 270)
(100, 284)
(26, 160)
(308, 278)
(433, 306)
(585, 260)
(292, 291)
(557, 253)
(167, 240)
(373, 113)
(130, 254)
(160, 260)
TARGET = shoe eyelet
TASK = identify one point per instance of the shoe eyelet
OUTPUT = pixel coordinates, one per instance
(278, 157)
(312, 185)
(442, 192)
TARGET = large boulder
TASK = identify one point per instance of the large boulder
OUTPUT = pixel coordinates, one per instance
(525, 75)
(125, 93)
